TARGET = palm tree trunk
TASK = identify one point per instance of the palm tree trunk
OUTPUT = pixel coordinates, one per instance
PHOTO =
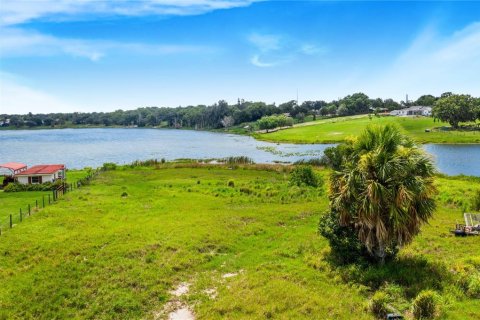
(380, 253)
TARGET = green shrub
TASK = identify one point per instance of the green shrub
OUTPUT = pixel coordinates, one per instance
(124, 194)
(109, 166)
(425, 305)
(346, 247)
(274, 121)
(473, 289)
(343, 240)
(18, 187)
(304, 176)
(312, 162)
(238, 160)
(246, 190)
(476, 201)
(379, 304)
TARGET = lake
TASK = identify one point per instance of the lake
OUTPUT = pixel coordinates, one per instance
(78, 148)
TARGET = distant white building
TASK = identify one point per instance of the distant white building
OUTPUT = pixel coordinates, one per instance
(412, 111)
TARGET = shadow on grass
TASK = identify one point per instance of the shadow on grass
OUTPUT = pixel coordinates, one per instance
(412, 273)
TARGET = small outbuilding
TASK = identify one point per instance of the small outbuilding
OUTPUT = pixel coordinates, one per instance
(14, 168)
(41, 173)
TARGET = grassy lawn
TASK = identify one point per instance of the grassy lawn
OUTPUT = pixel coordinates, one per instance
(337, 129)
(11, 203)
(242, 239)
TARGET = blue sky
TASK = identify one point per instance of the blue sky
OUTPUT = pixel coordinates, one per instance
(62, 55)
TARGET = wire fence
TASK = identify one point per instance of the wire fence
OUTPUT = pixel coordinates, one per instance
(50, 198)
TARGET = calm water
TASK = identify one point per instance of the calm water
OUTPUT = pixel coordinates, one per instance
(78, 148)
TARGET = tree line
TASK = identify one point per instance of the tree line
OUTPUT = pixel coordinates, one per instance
(218, 115)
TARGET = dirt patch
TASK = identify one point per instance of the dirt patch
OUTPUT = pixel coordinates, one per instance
(181, 314)
(176, 309)
(181, 290)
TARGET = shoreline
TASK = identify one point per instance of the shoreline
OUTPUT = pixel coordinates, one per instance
(255, 135)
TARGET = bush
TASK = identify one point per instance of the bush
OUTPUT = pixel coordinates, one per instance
(274, 121)
(476, 201)
(425, 305)
(231, 183)
(346, 247)
(238, 160)
(379, 304)
(304, 175)
(473, 289)
(245, 190)
(109, 166)
(47, 186)
(343, 240)
(312, 162)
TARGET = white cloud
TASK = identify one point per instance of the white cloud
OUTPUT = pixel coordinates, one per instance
(434, 64)
(255, 60)
(310, 49)
(265, 42)
(20, 11)
(18, 98)
(20, 42)
(274, 49)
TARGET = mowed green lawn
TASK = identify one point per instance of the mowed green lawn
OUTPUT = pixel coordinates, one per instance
(243, 239)
(337, 129)
(11, 203)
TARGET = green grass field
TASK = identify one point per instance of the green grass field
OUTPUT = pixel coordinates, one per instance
(11, 203)
(337, 129)
(244, 241)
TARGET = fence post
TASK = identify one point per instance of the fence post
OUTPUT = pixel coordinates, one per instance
(11, 222)
(36, 204)
(21, 215)
(43, 201)
(49, 198)
(29, 210)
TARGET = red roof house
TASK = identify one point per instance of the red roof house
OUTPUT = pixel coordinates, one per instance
(41, 174)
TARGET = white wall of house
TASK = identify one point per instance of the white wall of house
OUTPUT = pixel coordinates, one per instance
(45, 178)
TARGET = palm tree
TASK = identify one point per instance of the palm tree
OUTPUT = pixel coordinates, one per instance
(384, 189)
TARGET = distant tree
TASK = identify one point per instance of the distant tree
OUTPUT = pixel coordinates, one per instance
(287, 107)
(300, 116)
(274, 121)
(228, 121)
(48, 121)
(455, 109)
(391, 104)
(377, 103)
(356, 103)
(343, 110)
(426, 100)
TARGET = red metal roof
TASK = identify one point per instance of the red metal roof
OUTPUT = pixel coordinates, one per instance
(14, 166)
(42, 169)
